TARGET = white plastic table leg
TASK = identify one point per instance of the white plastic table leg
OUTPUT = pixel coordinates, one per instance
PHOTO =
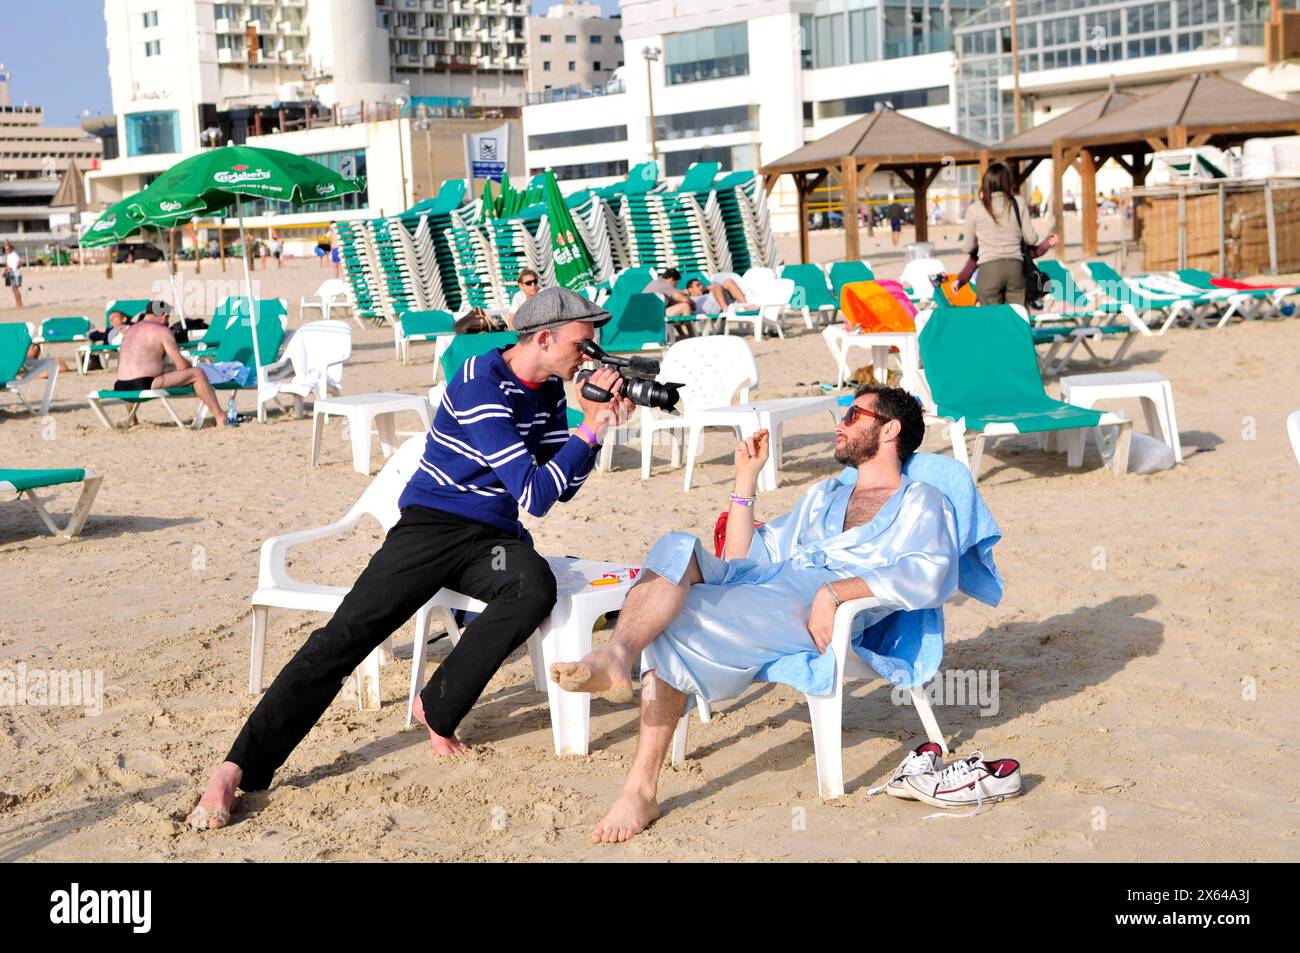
(317, 426)
(386, 425)
(359, 432)
(538, 661)
(566, 638)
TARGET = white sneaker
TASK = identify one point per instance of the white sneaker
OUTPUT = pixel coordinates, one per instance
(969, 782)
(926, 759)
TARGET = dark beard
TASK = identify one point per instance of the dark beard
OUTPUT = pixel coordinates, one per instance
(861, 449)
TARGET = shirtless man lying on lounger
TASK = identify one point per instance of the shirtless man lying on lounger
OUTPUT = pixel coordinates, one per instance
(140, 361)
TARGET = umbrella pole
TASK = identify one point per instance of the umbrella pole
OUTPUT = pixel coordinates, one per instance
(248, 288)
(171, 277)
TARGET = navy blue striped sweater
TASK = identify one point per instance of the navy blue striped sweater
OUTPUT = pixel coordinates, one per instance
(496, 445)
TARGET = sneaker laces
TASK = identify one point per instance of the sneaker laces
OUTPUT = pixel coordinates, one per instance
(953, 774)
(913, 763)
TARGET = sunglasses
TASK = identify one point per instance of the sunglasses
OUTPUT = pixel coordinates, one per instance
(529, 283)
(855, 411)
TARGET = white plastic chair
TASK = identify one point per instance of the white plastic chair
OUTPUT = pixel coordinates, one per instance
(758, 276)
(826, 712)
(712, 370)
(276, 588)
(1293, 429)
(916, 278)
(312, 365)
(333, 293)
(767, 302)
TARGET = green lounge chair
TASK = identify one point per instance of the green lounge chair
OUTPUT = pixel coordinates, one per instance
(1248, 302)
(26, 482)
(982, 377)
(16, 373)
(812, 294)
(63, 330)
(640, 324)
(128, 306)
(846, 273)
(1148, 303)
(421, 326)
(236, 346)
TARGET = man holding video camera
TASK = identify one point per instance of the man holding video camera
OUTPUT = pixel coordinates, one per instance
(500, 441)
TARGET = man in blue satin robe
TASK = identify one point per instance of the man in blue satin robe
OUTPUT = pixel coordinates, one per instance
(709, 627)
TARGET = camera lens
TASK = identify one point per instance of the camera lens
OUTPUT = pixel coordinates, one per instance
(651, 393)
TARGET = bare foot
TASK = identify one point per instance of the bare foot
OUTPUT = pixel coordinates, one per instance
(440, 745)
(632, 813)
(601, 673)
(213, 809)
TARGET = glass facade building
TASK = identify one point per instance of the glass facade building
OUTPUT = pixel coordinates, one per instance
(1054, 34)
(842, 32)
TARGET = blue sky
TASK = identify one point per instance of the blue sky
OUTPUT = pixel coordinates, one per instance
(55, 51)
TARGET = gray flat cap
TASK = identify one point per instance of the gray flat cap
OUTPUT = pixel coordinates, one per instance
(552, 307)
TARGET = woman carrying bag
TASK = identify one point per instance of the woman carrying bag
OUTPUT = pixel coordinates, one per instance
(998, 229)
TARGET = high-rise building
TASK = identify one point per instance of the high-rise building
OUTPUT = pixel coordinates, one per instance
(33, 160)
(742, 82)
(188, 74)
(571, 47)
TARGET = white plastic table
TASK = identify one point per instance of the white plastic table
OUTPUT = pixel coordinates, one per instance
(840, 341)
(564, 637)
(771, 415)
(1156, 394)
(363, 411)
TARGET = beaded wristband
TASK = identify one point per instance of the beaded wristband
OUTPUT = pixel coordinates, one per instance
(585, 433)
(743, 500)
(834, 595)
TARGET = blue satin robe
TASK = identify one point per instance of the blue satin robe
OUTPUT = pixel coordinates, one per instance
(748, 620)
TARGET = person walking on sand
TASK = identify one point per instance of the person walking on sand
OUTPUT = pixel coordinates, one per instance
(13, 273)
(994, 228)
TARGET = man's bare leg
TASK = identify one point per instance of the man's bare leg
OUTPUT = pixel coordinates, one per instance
(213, 809)
(194, 377)
(652, 604)
(733, 288)
(637, 804)
(440, 745)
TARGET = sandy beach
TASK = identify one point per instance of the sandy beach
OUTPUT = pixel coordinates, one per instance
(1147, 681)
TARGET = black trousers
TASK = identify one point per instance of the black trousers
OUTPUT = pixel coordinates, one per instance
(426, 550)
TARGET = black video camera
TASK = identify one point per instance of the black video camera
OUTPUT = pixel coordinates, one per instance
(639, 384)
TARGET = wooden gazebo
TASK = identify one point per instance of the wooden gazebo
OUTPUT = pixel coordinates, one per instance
(1193, 111)
(876, 142)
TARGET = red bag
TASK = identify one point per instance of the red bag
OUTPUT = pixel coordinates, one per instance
(720, 533)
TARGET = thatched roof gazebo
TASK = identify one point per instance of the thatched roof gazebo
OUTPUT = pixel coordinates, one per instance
(880, 141)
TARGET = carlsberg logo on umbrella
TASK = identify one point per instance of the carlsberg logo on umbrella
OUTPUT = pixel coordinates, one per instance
(104, 223)
(325, 189)
(241, 173)
(169, 206)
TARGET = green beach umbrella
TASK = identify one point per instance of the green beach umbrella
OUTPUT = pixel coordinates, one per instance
(573, 267)
(489, 204)
(116, 225)
(218, 178)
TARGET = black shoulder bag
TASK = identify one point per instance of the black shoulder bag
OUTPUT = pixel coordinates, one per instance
(1036, 283)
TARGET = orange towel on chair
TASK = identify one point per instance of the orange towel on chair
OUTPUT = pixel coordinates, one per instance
(873, 307)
